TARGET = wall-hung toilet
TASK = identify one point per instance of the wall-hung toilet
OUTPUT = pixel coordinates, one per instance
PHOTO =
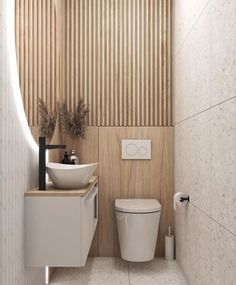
(138, 223)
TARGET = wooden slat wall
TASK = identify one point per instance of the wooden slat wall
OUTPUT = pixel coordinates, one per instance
(38, 54)
(115, 54)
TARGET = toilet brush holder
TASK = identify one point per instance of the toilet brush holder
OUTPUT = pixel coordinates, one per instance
(169, 246)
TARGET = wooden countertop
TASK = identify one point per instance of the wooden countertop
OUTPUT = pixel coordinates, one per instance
(51, 191)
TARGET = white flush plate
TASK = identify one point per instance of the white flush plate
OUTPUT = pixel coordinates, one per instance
(136, 149)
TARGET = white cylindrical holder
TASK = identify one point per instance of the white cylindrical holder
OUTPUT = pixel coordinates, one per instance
(169, 246)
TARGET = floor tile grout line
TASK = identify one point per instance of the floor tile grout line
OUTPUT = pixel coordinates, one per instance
(203, 111)
(195, 206)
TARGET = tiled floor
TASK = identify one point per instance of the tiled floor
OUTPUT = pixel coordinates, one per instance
(114, 271)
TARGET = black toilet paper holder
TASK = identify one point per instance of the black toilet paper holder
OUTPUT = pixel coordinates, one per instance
(182, 199)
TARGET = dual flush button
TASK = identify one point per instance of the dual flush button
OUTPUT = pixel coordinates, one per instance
(136, 149)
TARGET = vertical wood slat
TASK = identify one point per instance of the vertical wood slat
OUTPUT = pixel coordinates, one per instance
(53, 54)
(143, 63)
(26, 58)
(156, 59)
(165, 104)
(44, 49)
(17, 27)
(30, 62)
(168, 43)
(35, 60)
(160, 63)
(21, 49)
(48, 93)
(115, 54)
(39, 52)
(133, 63)
(94, 83)
(76, 50)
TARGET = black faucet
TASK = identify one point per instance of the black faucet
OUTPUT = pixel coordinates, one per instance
(42, 161)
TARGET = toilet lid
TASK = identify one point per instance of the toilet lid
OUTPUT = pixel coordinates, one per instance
(137, 205)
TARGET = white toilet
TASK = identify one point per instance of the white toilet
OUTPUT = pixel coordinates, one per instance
(138, 223)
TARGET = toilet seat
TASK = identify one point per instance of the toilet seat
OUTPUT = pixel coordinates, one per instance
(137, 206)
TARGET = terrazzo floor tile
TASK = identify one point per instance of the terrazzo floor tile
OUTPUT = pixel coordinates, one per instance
(156, 272)
(114, 271)
(98, 271)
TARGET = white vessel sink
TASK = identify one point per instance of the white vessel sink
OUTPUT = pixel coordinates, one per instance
(67, 176)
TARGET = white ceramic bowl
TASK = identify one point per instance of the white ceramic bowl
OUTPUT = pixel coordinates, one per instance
(69, 176)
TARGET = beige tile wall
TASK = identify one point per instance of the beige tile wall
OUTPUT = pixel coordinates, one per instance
(204, 85)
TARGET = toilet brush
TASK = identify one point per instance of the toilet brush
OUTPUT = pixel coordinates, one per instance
(169, 245)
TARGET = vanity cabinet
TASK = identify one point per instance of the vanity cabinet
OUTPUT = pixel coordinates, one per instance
(60, 225)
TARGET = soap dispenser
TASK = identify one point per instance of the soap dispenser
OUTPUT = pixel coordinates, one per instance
(66, 159)
(73, 157)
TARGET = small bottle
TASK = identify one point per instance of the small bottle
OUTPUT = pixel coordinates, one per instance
(73, 157)
(66, 159)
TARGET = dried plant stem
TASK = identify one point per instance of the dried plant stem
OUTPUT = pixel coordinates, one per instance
(75, 123)
(47, 120)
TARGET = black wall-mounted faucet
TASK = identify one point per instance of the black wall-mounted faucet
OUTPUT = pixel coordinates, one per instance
(42, 160)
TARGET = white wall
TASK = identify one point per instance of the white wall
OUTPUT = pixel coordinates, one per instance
(205, 138)
(18, 162)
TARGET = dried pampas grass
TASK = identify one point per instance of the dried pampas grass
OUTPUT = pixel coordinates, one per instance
(47, 120)
(75, 123)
